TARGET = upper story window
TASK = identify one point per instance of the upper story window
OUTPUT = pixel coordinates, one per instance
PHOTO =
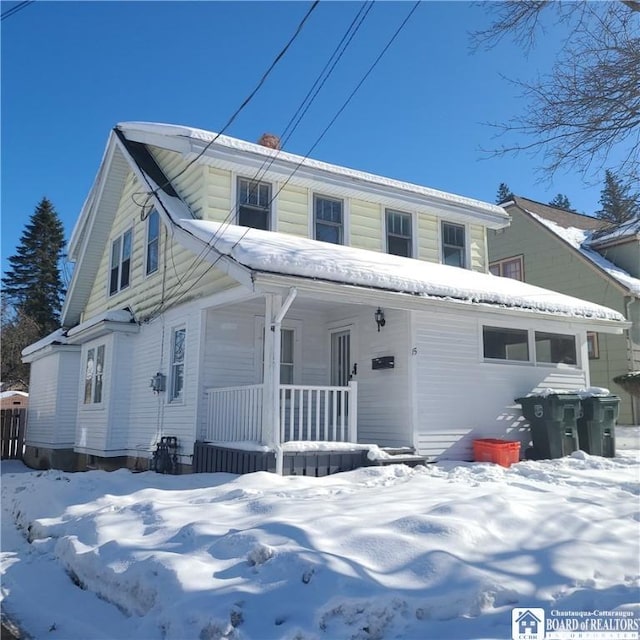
(508, 268)
(94, 371)
(153, 242)
(254, 204)
(328, 214)
(399, 237)
(120, 272)
(453, 245)
(176, 387)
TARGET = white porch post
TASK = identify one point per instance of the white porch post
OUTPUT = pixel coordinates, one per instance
(271, 373)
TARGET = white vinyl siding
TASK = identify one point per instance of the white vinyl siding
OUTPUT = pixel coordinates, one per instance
(53, 402)
(460, 396)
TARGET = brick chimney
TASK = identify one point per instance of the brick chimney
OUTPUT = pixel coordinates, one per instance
(269, 140)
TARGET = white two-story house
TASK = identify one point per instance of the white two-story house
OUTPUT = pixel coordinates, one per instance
(256, 306)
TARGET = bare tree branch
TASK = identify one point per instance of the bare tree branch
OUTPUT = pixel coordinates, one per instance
(588, 106)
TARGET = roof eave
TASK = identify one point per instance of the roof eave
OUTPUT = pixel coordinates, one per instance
(332, 291)
(624, 290)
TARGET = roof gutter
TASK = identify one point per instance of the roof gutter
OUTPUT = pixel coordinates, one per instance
(332, 291)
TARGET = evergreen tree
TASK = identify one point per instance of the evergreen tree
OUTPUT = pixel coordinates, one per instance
(562, 202)
(33, 285)
(504, 194)
(617, 202)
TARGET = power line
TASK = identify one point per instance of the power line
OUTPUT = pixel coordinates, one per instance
(248, 99)
(320, 137)
(18, 7)
(300, 112)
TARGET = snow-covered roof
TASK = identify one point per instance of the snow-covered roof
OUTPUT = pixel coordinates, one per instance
(112, 315)
(59, 336)
(164, 133)
(580, 239)
(10, 394)
(615, 234)
(278, 253)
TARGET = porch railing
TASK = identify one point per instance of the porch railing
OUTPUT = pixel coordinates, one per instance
(234, 414)
(307, 412)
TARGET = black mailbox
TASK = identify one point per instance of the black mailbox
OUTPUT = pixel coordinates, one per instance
(385, 362)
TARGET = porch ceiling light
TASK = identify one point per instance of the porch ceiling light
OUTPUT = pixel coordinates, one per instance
(379, 318)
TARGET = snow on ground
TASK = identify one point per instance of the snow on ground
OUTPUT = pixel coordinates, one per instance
(443, 551)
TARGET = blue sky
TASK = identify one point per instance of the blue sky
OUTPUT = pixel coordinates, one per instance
(72, 70)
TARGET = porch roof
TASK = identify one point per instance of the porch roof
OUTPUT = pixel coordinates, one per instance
(282, 254)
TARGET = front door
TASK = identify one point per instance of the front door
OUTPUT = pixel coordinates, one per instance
(340, 358)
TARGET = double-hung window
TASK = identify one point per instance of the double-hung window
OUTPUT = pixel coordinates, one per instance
(453, 245)
(399, 238)
(176, 388)
(120, 271)
(287, 340)
(153, 242)
(254, 204)
(94, 370)
(328, 214)
(508, 268)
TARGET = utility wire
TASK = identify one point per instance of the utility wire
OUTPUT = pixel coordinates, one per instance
(248, 99)
(320, 137)
(18, 7)
(292, 125)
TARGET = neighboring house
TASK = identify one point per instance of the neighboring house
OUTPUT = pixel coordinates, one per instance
(240, 298)
(14, 399)
(577, 255)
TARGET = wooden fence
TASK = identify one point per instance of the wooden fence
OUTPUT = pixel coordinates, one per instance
(12, 428)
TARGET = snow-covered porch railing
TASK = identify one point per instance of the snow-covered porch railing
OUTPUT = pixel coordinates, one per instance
(307, 412)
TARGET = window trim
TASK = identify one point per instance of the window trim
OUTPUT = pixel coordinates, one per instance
(287, 325)
(172, 397)
(593, 339)
(501, 263)
(465, 245)
(544, 363)
(531, 345)
(270, 209)
(314, 222)
(95, 350)
(120, 239)
(148, 243)
(412, 234)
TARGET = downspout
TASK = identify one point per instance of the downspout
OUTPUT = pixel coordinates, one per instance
(276, 326)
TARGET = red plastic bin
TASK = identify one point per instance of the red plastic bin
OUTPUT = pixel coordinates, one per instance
(502, 452)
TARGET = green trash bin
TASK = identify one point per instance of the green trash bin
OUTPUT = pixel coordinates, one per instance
(597, 426)
(554, 424)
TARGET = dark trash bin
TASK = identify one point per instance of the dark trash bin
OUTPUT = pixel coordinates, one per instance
(597, 426)
(553, 419)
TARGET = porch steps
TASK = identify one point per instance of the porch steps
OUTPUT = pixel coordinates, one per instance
(401, 455)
